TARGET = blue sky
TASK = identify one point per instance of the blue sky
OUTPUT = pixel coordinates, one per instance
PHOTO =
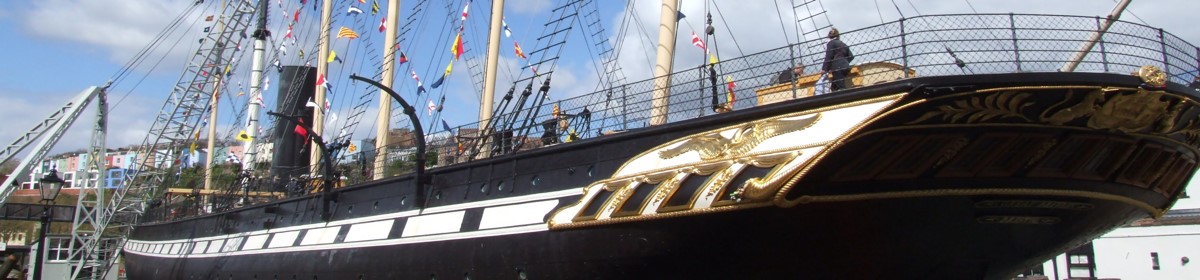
(56, 48)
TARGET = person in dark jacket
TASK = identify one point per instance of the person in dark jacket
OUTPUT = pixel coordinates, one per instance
(837, 60)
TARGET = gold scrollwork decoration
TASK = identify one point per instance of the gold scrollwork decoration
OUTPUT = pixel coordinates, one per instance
(1135, 112)
(714, 146)
(666, 189)
(980, 109)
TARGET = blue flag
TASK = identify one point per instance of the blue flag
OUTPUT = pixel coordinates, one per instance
(438, 83)
(445, 125)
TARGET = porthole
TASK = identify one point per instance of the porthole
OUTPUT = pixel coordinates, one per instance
(521, 274)
(403, 200)
(591, 171)
(535, 181)
(437, 195)
(375, 206)
(500, 186)
(483, 188)
(350, 209)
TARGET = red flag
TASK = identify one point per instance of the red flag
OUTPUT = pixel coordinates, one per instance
(320, 80)
(382, 25)
(300, 130)
(457, 48)
(403, 59)
(730, 85)
(697, 42)
(297, 16)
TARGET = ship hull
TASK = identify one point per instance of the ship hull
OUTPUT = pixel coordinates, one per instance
(927, 178)
(887, 239)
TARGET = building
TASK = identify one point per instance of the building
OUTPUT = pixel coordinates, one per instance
(58, 253)
(1147, 249)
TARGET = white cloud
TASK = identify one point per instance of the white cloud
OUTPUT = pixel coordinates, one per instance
(122, 28)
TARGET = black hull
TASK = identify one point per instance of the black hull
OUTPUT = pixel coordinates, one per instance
(908, 194)
(888, 239)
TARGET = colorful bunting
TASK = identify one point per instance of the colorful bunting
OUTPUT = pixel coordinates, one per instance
(457, 48)
(445, 125)
(420, 86)
(333, 57)
(375, 7)
(243, 136)
(208, 18)
(698, 43)
(296, 17)
(310, 103)
(507, 32)
(321, 80)
(431, 107)
(437, 83)
(520, 53)
(354, 11)
(403, 59)
(346, 32)
(299, 130)
(383, 24)
(465, 8)
(730, 85)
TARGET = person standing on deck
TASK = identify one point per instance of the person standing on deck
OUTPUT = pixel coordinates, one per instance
(837, 60)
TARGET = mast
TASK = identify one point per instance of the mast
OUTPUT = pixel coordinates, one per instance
(212, 117)
(212, 132)
(493, 55)
(256, 75)
(384, 121)
(1091, 42)
(322, 67)
(666, 56)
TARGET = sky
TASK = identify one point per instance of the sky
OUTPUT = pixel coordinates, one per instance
(57, 48)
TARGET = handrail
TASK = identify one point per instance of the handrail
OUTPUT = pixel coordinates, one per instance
(920, 46)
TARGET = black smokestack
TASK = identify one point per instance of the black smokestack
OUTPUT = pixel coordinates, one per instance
(297, 85)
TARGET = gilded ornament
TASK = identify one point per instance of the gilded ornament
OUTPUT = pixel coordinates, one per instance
(667, 188)
(1130, 112)
(1152, 76)
(980, 109)
(1089, 105)
(713, 146)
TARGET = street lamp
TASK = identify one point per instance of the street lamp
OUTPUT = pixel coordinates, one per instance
(49, 186)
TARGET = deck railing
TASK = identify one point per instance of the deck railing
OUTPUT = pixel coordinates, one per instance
(919, 46)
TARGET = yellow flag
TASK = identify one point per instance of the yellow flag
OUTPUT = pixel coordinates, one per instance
(243, 136)
(346, 32)
(448, 68)
(353, 147)
(332, 56)
(712, 58)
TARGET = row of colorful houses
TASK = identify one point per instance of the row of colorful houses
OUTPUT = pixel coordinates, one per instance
(117, 162)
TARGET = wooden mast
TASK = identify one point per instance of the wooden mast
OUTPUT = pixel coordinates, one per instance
(384, 120)
(319, 97)
(212, 116)
(490, 66)
(665, 59)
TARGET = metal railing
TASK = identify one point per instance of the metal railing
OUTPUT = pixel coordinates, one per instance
(921, 46)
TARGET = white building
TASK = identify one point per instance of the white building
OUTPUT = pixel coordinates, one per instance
(1167, 248)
